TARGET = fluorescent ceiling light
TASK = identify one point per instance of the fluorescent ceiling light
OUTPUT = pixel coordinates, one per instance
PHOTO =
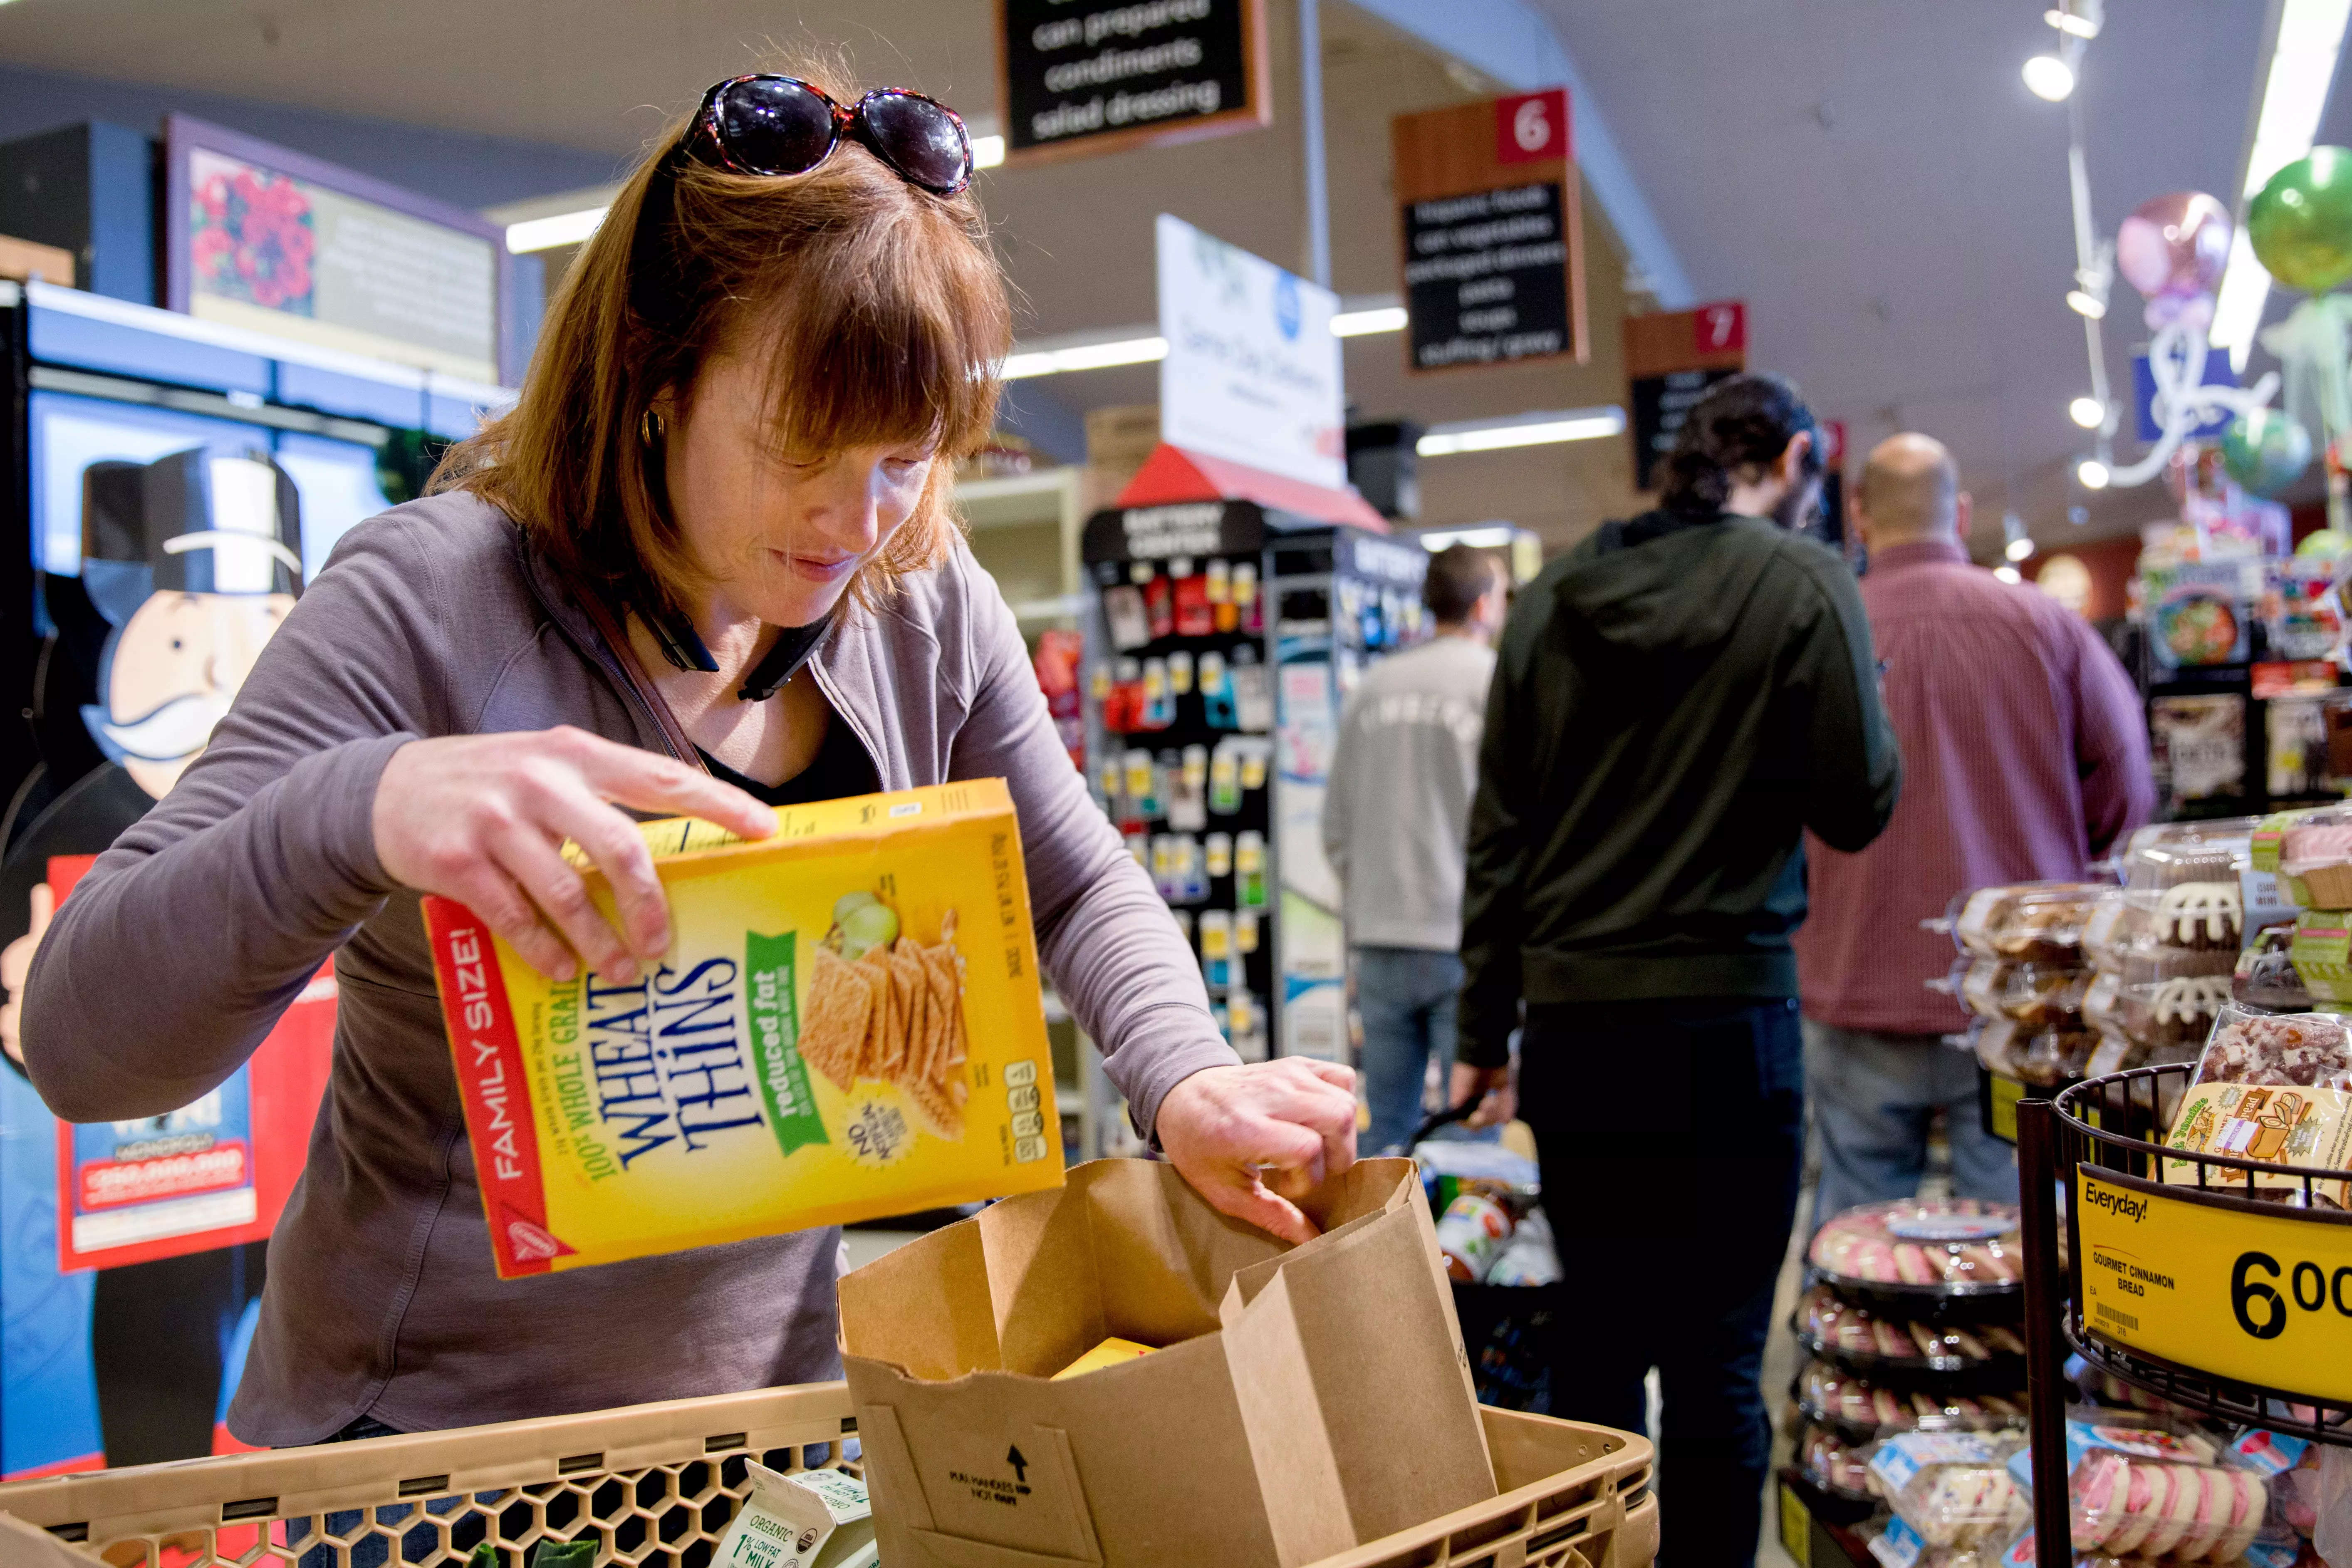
(2008, 574)
(2093, 473)
(1357, 323)
(2071, 24)
(2085, 303)
(1083, 356)
(547, 233)
(2088, 411)
(2019, 548)
(574, 228)
(1491, 536)
(1526, 430)
(2048, 76)
(2310, 36)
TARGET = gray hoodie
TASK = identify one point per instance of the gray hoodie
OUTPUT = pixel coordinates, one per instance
(178, 951)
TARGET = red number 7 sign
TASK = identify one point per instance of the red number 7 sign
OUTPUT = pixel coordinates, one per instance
(1720, 327)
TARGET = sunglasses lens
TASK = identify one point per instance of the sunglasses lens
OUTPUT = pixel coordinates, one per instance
(921, 138)
(774, 127)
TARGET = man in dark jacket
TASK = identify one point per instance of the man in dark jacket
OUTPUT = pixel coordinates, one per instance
(1675, 701)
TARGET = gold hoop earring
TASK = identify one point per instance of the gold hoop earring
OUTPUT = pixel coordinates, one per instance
(650, 428)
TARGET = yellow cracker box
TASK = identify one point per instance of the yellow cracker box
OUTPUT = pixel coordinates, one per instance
(848, 1025)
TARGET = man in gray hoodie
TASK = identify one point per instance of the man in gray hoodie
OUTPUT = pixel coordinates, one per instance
(1394, 821)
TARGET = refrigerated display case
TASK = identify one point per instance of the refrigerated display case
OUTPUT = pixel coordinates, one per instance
(1222, 639)
(167, 488)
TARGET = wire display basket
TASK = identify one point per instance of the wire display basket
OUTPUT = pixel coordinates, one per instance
(2115, 1124)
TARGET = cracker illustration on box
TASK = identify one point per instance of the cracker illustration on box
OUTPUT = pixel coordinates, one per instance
(848, 1024)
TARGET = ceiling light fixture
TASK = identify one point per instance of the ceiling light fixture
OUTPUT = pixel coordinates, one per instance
(2085, 303)
(1357, 323)
(2008, 574)
(1489, 536)
(549, 233)
(1021, 363)
(2048, 76)
(2019, 548)
(1524, 430)
(2088, 411)
(574, 228)
(2092, 473)
(2302, 65)
(2084, 25)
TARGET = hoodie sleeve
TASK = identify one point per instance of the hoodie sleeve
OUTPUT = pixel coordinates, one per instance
(1855, 769)
(1500, 845)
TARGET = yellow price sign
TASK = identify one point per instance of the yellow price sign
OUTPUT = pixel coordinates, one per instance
(2262, 1299)
(2001, 1106)
(1796, 1525)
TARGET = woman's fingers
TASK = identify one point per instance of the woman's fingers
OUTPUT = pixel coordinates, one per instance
(617, 849)
(645, 782)
(507, 910)
(1247, 1199)
(562, 895)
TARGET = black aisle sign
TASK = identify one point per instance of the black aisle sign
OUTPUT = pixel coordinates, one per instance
(1089, 75)
(1661, 404)
(1487, 277)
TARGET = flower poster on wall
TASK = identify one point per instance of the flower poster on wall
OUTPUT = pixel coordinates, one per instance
(268, 239)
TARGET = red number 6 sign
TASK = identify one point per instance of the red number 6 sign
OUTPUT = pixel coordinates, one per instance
(1532, 127)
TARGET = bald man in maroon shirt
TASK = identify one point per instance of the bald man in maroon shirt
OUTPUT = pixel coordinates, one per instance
(2024, 758)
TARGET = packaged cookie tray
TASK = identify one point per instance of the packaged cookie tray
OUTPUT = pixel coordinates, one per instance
(1915, 1251)
(1866, 1410)
(1946, 1354)
(2038, 922)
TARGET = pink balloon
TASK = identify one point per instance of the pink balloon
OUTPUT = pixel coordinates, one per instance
(2175, 244)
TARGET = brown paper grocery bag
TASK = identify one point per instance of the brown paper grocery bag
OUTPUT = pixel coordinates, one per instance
(1306, 1400)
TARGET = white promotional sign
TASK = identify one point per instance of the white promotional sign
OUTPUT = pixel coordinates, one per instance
(1253, 370)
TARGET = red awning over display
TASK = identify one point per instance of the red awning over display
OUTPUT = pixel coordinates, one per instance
(1174, 474)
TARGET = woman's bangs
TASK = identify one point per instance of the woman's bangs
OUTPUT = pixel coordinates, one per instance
(894, 358)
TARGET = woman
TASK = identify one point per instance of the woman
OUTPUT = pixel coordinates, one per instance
(704, 566)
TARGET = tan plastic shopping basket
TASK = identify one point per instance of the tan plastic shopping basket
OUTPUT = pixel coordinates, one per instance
(657, 1485)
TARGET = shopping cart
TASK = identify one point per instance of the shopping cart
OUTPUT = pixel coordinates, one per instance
(1506, 1329)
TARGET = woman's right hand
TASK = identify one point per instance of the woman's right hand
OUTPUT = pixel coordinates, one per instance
(479, 818)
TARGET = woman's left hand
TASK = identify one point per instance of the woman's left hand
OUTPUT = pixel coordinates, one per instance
(1251, 1137)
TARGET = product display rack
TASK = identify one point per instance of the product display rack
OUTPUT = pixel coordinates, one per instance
(1222, 638)
(2103, 1132)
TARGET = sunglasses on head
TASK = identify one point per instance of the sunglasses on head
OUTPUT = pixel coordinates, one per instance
(768, 124)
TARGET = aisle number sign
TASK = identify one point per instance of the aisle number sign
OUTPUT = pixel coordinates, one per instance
(2260, 1298)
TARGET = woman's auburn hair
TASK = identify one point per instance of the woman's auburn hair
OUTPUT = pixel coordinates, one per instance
(880, 311)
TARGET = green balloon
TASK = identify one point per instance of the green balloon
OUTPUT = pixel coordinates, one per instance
(2265, 451)
(2301, 222)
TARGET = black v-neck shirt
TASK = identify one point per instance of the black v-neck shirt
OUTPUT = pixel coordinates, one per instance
(840, 767)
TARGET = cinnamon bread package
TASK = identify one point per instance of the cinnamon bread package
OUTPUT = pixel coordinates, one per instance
(848, 1024)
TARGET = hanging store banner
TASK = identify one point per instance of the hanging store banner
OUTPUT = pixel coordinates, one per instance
(1252, 369)
(1492, 233)
(1081, 78)
(1671, 359)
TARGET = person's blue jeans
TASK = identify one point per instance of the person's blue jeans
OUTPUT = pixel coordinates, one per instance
(1672, 1136)
(1405, 997)
(1874, 1096)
